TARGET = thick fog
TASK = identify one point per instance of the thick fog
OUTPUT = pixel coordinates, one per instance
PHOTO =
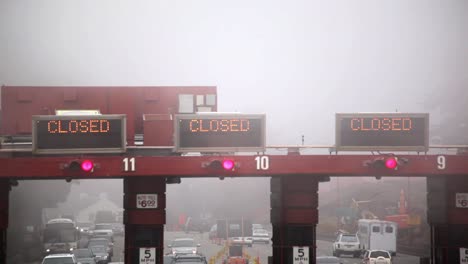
(299, 61)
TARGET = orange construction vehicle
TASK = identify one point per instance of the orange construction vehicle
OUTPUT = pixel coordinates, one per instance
(236, 255)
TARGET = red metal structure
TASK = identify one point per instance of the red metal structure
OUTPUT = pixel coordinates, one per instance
(145, 169)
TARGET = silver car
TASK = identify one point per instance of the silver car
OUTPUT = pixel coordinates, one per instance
(184, 246)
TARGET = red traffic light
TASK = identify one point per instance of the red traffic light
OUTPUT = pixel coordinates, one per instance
(391, 163)
(228, 164)
(87, 165)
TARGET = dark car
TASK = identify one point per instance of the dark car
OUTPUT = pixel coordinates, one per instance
(101, 254)
(84, 256)
(102, 242)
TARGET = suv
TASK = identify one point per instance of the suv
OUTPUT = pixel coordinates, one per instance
(377, 257)
(346, 244)
(59, 258)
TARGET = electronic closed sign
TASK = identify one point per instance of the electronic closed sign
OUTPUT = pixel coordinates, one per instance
(79, 134)
(382, 131)
(209, 132)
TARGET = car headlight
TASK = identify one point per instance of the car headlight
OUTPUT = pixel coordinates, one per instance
(71, 249)
(81, 229)
(47, 250)
(194, 251)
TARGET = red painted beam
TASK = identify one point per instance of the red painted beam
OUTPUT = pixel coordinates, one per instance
(184, 166)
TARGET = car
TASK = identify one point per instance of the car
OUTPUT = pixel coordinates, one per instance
(100, 241)
(118, 229)
(84, 227)
(328, 260)
(84, 256)
(346, 244)
(257, 226)
(59, 259)
(377, 257)
(101, 254)
(103, 230)
(248, 241)
(260, 236)
(184, 246)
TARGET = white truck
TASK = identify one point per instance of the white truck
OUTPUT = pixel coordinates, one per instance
(377, 235)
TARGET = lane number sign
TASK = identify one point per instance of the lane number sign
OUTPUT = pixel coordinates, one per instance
(300, 255)
(147, 255)
(461, 200)
(147, 201)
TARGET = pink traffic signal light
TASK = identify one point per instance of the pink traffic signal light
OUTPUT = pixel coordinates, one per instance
(228, 164)
(221, 164)
(81, 165)
(391, 163)
(87, 165)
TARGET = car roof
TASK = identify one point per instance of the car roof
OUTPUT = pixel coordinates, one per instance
(59, 256)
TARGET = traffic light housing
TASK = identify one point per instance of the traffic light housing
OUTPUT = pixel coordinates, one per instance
(80, 165)
(221, 165)
(387, 162)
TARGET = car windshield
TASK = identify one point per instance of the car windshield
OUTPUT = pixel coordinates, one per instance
(98, 249)
(59, 236)
(102, 226)
(260, 231)
(183, 243)
(349, 239)
(102, 242)
(64, 260)
(85, 224)
(376, 254)
(83, 253)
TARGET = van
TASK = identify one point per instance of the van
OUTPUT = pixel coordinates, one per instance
(377, 235)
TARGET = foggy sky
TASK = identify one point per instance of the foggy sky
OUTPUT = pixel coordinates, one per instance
(298, 61)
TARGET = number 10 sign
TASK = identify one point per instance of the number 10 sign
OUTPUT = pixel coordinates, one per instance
(147, 201)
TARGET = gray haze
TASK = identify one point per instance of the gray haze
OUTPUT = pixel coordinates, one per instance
(298, 61)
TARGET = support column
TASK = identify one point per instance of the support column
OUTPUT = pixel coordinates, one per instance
(294, 216)
(4, 193)
(448, 218)
(144, 227)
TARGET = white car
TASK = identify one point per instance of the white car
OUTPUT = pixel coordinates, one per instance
(241, 241)
(346, 244)
(59, 258)
(260, 236)
(377, 257)
(184, 246)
